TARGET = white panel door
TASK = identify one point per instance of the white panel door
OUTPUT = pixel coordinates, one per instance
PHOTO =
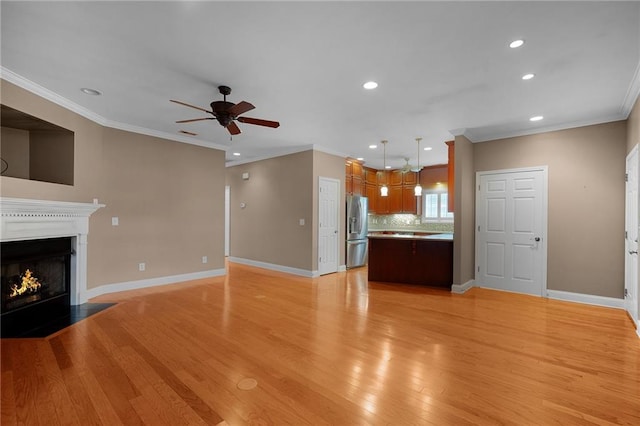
(328, 226)
(631, 237)
(511, 231)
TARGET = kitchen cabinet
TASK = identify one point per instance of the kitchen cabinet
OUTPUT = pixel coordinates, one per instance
(372, 192)
(354, 178)
(450, 175)
(426, 260)
(395, 177)
(395, 199)
(410, 178)
(410, 203)
(370, 176)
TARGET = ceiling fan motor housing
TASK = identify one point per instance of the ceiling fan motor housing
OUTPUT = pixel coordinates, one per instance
(220, 109)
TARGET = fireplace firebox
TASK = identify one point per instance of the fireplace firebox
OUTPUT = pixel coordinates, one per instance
(36, 281)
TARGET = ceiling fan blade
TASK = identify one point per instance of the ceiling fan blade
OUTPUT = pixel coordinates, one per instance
(190, 106)
(195, 119)
(240, 108)
(233, 128)
(259, 122)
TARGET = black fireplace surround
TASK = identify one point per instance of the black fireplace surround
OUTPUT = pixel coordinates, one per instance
(36, 281)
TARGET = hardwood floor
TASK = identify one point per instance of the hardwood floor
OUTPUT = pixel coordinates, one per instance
(333, 350)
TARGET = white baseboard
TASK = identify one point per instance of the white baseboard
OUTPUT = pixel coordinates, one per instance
(462, 288)
(274, 267)
(150, 282)
(609, 302)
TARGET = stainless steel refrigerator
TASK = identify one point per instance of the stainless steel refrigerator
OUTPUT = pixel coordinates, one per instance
(357, 229)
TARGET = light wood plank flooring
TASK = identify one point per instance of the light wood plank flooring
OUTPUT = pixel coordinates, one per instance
(333, 350)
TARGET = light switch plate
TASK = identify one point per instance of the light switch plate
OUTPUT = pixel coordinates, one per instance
(115, 221)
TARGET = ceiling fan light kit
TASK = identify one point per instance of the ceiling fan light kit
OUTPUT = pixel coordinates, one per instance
(227, 113)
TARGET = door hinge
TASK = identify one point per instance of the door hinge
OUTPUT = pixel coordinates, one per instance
(478, 269)
(626, 293)
(478, 228)
(626, 177)
(626, 235)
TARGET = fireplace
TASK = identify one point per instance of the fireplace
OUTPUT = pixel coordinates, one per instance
(55, 280)
(35, 283)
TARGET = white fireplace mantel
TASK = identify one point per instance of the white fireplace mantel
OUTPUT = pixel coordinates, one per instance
(27, 219)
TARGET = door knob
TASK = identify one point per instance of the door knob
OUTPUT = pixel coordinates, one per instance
(633, 252)
(537, 239)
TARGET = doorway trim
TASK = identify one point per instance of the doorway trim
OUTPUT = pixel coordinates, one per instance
(336, 217)
(544, 219)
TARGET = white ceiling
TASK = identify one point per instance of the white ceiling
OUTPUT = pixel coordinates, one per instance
(442, 68)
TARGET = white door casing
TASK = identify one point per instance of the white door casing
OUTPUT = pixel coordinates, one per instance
(227, 218)
(631, 236)
(328, 225)
(511, 230)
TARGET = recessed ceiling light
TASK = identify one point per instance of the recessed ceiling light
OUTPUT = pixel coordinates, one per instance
(516, 43)
(370, 85)
(92, 92)
(536, 118)
(387, 167)
(373, 146)
(528, 76)
(427, 148)
(360, 158)
(237, 154)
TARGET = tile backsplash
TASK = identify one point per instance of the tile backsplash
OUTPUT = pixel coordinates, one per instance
(409, 222)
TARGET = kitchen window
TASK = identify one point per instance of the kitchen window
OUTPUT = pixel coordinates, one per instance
(435, 207)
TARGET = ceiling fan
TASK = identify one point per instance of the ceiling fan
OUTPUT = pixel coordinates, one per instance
(409, 168)
(227, 113)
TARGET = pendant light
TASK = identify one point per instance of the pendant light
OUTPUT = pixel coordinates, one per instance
(384, 191)
(417, 191)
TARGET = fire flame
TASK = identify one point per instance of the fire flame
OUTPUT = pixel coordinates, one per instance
(29, 284)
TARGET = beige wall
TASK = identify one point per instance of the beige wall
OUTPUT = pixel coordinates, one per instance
(169, 196)
(277, 195)
(586, 201)
(464, 212)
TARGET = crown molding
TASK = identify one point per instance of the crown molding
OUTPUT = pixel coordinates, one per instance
(51, 96)
(554, 128)
(632, 94)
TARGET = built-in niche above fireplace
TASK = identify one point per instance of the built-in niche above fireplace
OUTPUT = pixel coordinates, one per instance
(35, 149)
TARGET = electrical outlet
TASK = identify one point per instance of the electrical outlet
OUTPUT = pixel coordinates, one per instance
(142, 266)
(204, 259)
(301, 222)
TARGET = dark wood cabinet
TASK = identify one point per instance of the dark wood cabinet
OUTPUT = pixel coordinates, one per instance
(411, 261)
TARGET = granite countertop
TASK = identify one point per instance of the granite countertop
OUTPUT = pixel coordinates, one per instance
(436, 237)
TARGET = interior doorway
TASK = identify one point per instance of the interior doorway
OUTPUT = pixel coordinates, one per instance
(328, 225)
(631, 236)
(511, 230)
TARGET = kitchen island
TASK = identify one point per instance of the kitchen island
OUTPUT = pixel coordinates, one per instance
(411, 259)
